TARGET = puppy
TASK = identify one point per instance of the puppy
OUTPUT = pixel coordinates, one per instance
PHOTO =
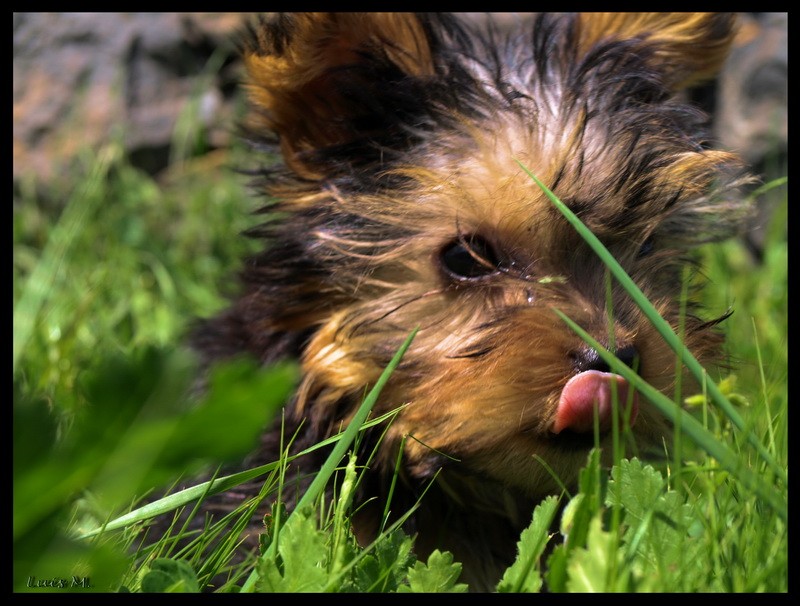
(400, 203)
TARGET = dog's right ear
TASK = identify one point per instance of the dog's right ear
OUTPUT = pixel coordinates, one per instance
(689, 47)
(334, 81)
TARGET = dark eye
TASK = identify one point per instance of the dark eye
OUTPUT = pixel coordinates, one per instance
(469, 258)
(646, 248)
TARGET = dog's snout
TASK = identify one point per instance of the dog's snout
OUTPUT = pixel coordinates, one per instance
(628, 354)
(587, 358)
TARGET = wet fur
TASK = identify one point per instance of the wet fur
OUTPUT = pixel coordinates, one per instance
(399, 136)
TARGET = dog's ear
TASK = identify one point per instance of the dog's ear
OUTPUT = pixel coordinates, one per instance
(332, 80)
(689, 47)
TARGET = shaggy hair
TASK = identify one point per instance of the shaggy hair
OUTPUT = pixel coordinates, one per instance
(400, 203)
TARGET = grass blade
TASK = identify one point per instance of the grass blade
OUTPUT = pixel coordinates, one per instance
(328, 468)
(213, 487)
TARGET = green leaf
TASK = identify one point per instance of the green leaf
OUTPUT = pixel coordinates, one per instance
(118, 393)
(170, 576)
(523, 575)
(634, 487)
(301, 561)
(142, 432)
(575, 520)
(589, 567)
(659, 521)
(242, 399)
(139, 430)
(385, 567)
(440, 575)
(47, 552)
(556, 575)
(586, 504)
(640, 491)
(34, 430)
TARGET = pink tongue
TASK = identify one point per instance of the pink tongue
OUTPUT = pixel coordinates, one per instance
(588, 392)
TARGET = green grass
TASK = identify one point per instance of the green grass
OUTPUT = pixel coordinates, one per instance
(108, 277)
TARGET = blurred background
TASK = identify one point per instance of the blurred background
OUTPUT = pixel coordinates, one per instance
(81, 78)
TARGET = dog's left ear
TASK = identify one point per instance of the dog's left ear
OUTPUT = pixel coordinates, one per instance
(332, 80)
(689, 47)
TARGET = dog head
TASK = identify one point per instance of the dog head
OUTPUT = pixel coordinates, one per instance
(401, 202)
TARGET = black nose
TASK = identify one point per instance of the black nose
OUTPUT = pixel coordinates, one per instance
(587, 358)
